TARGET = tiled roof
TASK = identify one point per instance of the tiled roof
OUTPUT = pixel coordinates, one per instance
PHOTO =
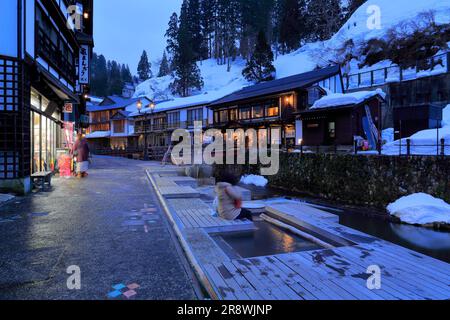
(112, 103)
(302, 80)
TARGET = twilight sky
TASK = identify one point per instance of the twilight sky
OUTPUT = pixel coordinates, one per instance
(123, 28)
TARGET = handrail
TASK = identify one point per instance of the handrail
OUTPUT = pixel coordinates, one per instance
(394, 73)
(47, 48)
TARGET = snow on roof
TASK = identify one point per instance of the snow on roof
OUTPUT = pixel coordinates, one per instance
(98, 134)
(192, 101)
(285, 84)
(346, 99)
(420, 208)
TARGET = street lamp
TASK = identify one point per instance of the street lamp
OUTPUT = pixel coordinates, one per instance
(139, 107)
(152, 108)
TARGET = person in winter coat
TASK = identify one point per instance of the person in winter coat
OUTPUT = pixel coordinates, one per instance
(229, 199)
(80, 150)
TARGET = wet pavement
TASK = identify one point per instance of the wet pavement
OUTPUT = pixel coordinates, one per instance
(109, 225)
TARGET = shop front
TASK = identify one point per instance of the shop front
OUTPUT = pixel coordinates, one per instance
(46, 133)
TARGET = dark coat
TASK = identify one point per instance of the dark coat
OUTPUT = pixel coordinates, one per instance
(81, 149)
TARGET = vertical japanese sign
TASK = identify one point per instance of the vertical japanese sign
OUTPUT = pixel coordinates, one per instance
(84, 65)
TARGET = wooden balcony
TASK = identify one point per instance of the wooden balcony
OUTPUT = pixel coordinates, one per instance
(48, 50)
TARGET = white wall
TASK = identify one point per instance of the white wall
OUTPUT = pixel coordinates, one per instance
(183, 115)
(298, 132)
(8, 27)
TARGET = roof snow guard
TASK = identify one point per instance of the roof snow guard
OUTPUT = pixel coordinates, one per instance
(345, 100)
(299, 81)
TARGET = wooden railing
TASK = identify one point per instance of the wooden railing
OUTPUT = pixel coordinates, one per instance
(50, 51)
(438, 64)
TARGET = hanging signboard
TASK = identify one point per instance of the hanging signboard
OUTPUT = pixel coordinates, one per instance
(83, 65)
(68, 107)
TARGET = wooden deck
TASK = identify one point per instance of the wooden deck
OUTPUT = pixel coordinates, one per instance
(329, 274)
(194, 213)
(337, 274)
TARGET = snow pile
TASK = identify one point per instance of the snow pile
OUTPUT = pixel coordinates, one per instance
(346, 99)
(420, 208)
(387, 135)
(424, 142)
(258, 181)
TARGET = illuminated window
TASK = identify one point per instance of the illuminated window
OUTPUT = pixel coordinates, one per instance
(258, 112)
(245, 113)
(234, 115)
(224, 116)
(272, 110)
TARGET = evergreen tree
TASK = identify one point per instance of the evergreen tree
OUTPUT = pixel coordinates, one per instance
(164, 68)
(227, 25)
(144, 67)
(254, 16)
(115, 82)
(172, 35)
(353, 5)
(291, 24)
(126, 74)
(193, 22)
(324, 19)
(187, 73)
(102, 76)
(260, 66)
(207, 22)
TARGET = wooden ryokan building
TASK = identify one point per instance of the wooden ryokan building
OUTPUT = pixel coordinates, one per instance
(273, 105)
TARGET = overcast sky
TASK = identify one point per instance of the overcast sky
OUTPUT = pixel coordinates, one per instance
(123, 28)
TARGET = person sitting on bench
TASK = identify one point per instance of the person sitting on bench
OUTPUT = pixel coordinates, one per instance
(229, 206)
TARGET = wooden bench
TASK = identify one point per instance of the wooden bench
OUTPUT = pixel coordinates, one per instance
(43, 178)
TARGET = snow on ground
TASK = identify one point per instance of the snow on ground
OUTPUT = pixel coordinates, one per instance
(420, 208)
(218, 81)
(258, 181)
(346, 99)
(424, 142)
(98, 135)
(388, 135)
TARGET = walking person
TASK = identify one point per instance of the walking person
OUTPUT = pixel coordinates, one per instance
(229, 199)
(80, 151)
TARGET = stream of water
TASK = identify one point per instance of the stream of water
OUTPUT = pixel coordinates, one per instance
(433, 243)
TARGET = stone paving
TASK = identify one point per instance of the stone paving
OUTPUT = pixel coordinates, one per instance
(109, 225)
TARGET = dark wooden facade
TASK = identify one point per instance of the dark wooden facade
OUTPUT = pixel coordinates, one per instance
(273, 105)
(337, 126)
(42, 57)
(409, 120)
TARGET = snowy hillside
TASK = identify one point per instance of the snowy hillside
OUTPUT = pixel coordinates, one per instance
(219, 82)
